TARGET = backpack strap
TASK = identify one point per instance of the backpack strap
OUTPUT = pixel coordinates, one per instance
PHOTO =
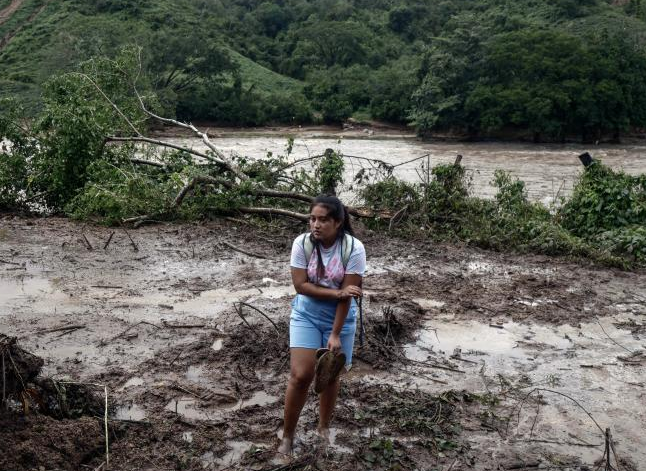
(346, 249)
(308, 246)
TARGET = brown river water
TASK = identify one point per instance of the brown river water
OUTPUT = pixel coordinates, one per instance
(548, 170)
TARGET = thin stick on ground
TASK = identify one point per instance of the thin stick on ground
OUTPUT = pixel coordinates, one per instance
(242, 303)
(612, 447)
(613, 340)
(130, 328)
(9, 263)
(560, 442)
(63, 328)
(238, 249)
(238, 310)
(430, 365)
(560, 394)
(132, 242)
(4, 382)
(105, 246)
(87, 243)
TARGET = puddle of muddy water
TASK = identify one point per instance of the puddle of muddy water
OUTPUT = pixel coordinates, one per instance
(481, 267)
(213, 299)
(189, 407)
(207, 304)
(428, 303)
(217, 345)
(29, 288)
(500, 342)
(580, 362)
(196, 374)
(259, 398)
(130, 412)
(135, 381)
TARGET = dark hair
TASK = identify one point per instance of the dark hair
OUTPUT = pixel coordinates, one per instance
(337, 211)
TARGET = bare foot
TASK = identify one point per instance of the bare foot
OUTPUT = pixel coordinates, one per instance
(285, 447)
(324, 435)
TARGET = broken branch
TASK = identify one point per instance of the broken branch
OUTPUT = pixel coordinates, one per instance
(242, 303)
(105, 246)
(161, 143)
(237, 249)
(275, 212)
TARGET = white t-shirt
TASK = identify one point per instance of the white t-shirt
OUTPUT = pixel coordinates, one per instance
(331, 256)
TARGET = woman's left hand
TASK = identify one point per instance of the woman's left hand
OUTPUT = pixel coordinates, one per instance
(334, 343)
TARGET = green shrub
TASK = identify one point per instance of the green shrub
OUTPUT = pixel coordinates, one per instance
(114, 192)
(628, 241)
(392, 194)
(328, 172)
(16, 146)
(604, 200)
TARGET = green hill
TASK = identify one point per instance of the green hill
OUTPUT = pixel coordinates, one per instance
(441, 65)
(263, 79)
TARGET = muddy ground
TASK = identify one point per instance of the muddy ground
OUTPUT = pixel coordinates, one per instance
(472, 359)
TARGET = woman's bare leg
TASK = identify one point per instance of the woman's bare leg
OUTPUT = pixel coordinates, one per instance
(326, 407)
(302, 364)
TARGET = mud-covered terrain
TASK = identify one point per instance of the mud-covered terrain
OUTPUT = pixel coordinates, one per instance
(471, 359)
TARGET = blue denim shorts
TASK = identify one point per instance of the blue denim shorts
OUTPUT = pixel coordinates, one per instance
(311, 322)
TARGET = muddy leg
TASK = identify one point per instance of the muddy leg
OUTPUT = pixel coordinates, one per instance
(302, 362)
(326, 407)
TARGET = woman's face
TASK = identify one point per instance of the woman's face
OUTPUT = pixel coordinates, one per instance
(323, 226)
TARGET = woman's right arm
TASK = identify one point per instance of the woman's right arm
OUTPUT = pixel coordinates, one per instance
(303, 286)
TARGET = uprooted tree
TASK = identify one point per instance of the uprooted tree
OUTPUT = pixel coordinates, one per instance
(89, 155)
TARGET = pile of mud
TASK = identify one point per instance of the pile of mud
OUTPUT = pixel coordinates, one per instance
(40, 442)
(44, 422)
(18, 367)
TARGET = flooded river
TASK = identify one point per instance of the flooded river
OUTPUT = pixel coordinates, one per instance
(549, 170)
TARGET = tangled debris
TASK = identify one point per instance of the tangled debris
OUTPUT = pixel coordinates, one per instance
(387, 331)
(19, 368)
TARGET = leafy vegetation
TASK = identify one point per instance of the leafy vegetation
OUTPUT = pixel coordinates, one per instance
(80, 156)
(610, 207)
(545, 70)
(584, 226)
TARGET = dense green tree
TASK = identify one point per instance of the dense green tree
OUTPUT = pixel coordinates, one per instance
(400, 18)
(272, 18)
(181, 58)
(542, 80)
(549, 68)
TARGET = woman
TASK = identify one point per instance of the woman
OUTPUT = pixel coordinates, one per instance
(324, 311)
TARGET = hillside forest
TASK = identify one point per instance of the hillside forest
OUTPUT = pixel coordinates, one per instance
(545, 70)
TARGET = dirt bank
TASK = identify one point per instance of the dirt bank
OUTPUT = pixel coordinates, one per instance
(457, 339)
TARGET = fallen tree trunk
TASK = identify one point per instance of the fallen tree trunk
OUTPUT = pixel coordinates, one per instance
(262, 192)
(234, 177)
